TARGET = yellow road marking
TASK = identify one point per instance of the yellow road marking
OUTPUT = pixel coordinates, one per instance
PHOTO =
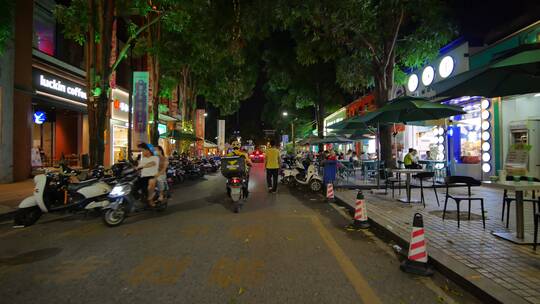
(360, 284)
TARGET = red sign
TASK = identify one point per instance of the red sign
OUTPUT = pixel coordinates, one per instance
(361, 105)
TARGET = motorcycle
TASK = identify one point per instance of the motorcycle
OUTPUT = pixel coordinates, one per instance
(57, 192)
(127, 197)
(233, 168)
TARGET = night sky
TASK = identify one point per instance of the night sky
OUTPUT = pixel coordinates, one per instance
(479, 22)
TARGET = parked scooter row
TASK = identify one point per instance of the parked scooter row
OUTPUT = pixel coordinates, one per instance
(301, 172)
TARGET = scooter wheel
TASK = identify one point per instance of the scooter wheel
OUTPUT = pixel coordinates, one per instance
(113, 218)
(315, 185)
(27, 216)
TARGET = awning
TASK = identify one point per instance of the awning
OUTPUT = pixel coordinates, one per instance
(166, 118)
(209, 145)
(515, 72)
(180, 135)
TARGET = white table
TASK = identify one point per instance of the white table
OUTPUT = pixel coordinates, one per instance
(518, 187)
(408, 172)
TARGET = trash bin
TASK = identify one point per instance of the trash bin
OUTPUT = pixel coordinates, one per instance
(330, 168)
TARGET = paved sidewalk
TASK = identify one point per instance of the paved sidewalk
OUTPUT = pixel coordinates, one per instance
(495, 266)
(12, 194)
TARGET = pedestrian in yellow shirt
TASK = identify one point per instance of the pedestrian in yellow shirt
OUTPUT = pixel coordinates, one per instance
(272, 164)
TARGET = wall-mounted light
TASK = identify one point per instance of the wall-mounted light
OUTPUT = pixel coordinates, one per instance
(428, 74)
(446, 66)
(486, 167)
(486, 136)
(486, 146)
(412, 84)
(485, 125)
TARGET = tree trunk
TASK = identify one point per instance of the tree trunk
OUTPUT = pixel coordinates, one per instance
(320, 122)
(384, 81)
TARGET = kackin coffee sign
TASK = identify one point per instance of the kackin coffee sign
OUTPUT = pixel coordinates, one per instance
(58, 86)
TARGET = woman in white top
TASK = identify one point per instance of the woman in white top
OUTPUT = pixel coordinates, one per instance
(162, 172)
(149, 164)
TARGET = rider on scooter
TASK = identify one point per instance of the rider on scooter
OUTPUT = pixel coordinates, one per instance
(149, 163)
(236, 145)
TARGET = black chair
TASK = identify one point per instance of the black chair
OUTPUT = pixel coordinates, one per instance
(467, 181)
(425, 176)
(507, 200)
(391, 181)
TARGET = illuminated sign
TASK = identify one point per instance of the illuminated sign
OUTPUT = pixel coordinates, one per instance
(412, 84)
(162, 129)
(39, 117)
(58, 86)
(446, 66)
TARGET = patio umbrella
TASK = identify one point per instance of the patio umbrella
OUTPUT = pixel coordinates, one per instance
(331, 139)
(409, 109)
(180, 135)
(349, 123)
(308, 140)
(515, 72)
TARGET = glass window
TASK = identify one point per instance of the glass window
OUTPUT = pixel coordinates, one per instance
(468, 133)
(44, 27)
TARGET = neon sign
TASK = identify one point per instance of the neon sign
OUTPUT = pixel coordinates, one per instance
(39, 117)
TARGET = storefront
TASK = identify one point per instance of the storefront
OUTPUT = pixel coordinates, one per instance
(119, 125)
(59, 119)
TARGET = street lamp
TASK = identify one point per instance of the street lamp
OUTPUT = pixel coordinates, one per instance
(285, 114)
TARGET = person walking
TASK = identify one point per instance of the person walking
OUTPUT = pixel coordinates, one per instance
(272, 165)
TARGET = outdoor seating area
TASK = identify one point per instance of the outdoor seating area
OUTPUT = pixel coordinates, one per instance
(475, 242)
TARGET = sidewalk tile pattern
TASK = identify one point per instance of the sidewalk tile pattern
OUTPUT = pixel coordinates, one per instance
(514, 267)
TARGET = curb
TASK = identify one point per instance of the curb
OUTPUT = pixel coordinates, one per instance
(7, 216)
(483, 288)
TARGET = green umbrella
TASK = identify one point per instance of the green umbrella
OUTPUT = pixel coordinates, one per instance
(515, 72)
(348, 124)
(308, 140)
(408, 109)
(331, 139)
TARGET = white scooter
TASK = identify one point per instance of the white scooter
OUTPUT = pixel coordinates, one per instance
(301, 176)
(54, 192)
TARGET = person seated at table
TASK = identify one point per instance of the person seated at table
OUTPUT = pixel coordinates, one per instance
(364, 156)
(428, 155)
(410, 160)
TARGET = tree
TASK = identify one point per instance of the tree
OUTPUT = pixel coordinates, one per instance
(295, 85)
(6, 23)
(372, 41)
(90, 23)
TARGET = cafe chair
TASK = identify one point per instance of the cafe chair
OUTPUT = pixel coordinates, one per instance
(507, 200)
(467, 181)
(425, 177)
(391, 181)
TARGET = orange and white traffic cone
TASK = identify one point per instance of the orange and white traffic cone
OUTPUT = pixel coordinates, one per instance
(360, 214)
(417, 259)
(330, 191)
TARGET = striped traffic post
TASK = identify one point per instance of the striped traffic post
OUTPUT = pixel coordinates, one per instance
(330, 192)
(417, 258)
(360, 220)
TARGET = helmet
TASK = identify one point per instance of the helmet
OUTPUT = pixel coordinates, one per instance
(236, 144)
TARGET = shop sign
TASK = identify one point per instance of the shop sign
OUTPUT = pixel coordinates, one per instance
(140, 107)
(58, 86)
(162, 129)
(39, 117)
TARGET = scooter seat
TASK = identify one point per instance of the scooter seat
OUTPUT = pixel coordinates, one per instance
(82, 184)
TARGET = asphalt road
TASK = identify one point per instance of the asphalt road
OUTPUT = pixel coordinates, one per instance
(288, 247)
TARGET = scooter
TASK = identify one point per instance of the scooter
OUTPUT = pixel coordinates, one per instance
(233, 168)
(308, 177)
(53, 192)
(127, 197)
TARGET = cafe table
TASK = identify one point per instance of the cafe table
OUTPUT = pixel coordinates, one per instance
(519, 237)
(408, 173)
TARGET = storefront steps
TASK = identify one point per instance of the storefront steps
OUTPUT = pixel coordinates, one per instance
(496, 270)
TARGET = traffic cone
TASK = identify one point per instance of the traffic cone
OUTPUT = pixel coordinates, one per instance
(330, 191)
(360, 214)
(417, 259)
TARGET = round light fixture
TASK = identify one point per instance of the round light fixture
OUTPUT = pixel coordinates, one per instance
(486, 136)
(485, 114)
(484, 104)
(486, 157)
(412, 84)
(440, 148)
(486, 146)
(440, 157)
(446, 67)
(440, 139)
(428, 74)
(441, 131)
(486, 168)
(485, 125)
